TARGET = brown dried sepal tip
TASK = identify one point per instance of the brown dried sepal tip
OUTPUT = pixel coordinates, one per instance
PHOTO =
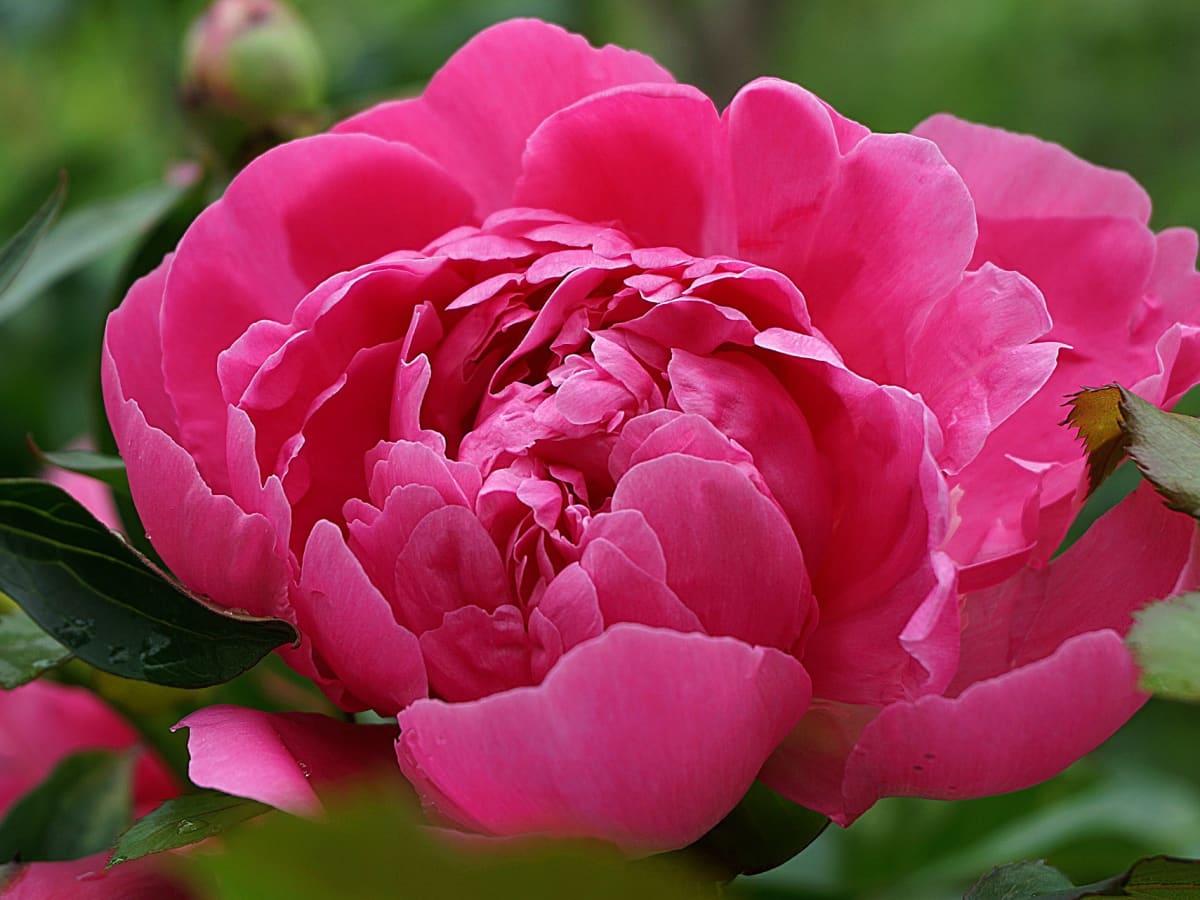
(1095, 414)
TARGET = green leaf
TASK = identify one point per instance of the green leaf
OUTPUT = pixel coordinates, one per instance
(101, 466)
(1162, 878)
(17, 251)
(77, 811)
(378, 842)
(1165, 639)
(94, 594)
(763, 831)
(26, 651)
(85, 235)
(1018, 881)
(1166, 447)
(182, 821)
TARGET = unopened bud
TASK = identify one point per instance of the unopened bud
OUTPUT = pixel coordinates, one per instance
(253, 60)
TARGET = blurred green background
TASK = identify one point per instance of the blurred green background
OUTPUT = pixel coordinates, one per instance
(90, 86)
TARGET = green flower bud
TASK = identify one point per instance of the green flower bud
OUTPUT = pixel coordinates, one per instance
(252, 60)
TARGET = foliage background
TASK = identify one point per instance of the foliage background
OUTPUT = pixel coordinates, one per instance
(90, 86)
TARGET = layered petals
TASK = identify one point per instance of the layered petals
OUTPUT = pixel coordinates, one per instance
(1045, 677)
(494, 93)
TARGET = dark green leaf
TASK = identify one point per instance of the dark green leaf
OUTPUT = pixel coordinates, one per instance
(101, 466)
(77, 811)
(94, 594)
(1166, 641)
(379, 844)
(1018, 881)
(763, 831)
(85, 235)
(182, 821)
(1166, 447)
(26, 651)
(20, 247)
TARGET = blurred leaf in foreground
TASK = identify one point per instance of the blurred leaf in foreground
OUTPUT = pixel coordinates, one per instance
(1166, 641)
(77, 811)
(370, 847)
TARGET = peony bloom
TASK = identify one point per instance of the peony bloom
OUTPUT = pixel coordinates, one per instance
(40, 724)
(627, 451)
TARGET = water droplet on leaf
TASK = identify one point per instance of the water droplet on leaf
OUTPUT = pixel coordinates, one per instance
(75, 632)
(190, 826)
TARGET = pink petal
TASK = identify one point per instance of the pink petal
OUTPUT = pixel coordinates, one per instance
(974, 361)
(731, 555)
(888, 514)
(651, 158)
(352, 626)
(87, 879)
(132, 328)
(1092, 273)
(286, 760)
(478, 111)
(474, 653)
(627, 740)
(326, 467)
(1134, 554)
(870, 234)
(1017, 176)
(625, 592)
(235, 559)
(42, 722)
(350, 199)
(449, 562)
(999, 735)
(747, 403)
(567, 614)
(786, 159)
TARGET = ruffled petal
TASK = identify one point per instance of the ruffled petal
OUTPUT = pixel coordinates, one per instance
(349, 199)
(1018, 176)
(651, 158)
(479, 109)
(974, 359)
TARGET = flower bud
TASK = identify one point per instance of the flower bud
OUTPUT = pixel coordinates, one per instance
(253, 60)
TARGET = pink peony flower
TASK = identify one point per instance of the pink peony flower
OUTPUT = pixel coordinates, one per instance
(40, 724)
(627, 451)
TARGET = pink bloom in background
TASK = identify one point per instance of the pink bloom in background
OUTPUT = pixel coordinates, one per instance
(40, 724)
(627, 451)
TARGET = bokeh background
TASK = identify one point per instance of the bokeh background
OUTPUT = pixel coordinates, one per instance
(91, 86)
